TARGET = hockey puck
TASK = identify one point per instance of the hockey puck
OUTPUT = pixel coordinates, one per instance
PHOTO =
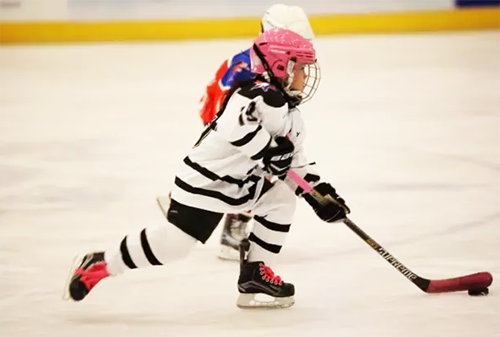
(479, 292)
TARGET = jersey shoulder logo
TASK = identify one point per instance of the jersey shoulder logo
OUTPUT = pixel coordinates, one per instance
(263, 85)
(240, 66)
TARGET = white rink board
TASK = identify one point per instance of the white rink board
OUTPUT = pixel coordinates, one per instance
(91, 134)
(34, 10)
(182, 9)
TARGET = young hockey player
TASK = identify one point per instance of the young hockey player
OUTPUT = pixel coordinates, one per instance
(237, 68)
(257, 134)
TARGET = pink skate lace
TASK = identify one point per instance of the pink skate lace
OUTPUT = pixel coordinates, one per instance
(92, 275)
(268, 275)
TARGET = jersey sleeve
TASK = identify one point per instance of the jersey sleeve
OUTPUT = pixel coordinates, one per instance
(236, 68)
(249, 118)
(279, 120)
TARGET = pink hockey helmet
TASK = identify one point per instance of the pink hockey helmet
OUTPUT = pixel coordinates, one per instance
(278, 53)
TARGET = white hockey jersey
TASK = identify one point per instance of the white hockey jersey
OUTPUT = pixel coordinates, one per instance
(223, 172)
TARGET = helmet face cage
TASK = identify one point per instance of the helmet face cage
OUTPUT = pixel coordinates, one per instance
(313, 77)
(313, 73)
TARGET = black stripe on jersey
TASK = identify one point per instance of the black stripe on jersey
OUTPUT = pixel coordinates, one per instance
(212, 176)
(272, 225)
(248, 137)
(261, 153)
(126, 255)
(216, 194)
(267, 246)
(271, 96)
(200, 169)
(147, 250)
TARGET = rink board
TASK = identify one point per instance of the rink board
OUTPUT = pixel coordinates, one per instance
(85, 28)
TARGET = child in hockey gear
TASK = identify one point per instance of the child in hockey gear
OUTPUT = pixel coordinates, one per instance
(238, 69)
(239, 163)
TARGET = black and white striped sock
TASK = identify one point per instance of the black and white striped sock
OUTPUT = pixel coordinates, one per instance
(266, 240)
(153, 246)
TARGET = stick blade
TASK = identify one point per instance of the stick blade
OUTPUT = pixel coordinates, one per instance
(463, 283)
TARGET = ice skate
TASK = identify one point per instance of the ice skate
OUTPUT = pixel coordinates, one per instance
(259, 287)
(85, 273)
(235, 229)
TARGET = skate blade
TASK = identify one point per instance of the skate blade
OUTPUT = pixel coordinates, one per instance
(263, 301)
(229, 254)
(164, 203)
(77, 261)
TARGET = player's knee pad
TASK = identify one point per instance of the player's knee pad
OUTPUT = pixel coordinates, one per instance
(287, 198)
(280, 199)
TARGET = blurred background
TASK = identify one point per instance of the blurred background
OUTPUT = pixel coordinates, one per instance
(99, 104)
(142, 20)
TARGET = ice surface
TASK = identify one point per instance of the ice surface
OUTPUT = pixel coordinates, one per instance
(405, 126)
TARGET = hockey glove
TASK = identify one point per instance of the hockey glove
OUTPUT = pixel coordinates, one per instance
(278, 159)
(332, 211)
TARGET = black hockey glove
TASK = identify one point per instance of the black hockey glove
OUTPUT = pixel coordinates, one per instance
(332, 211)
(278, 159)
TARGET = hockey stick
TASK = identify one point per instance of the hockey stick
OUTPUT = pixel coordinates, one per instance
(474, 282)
